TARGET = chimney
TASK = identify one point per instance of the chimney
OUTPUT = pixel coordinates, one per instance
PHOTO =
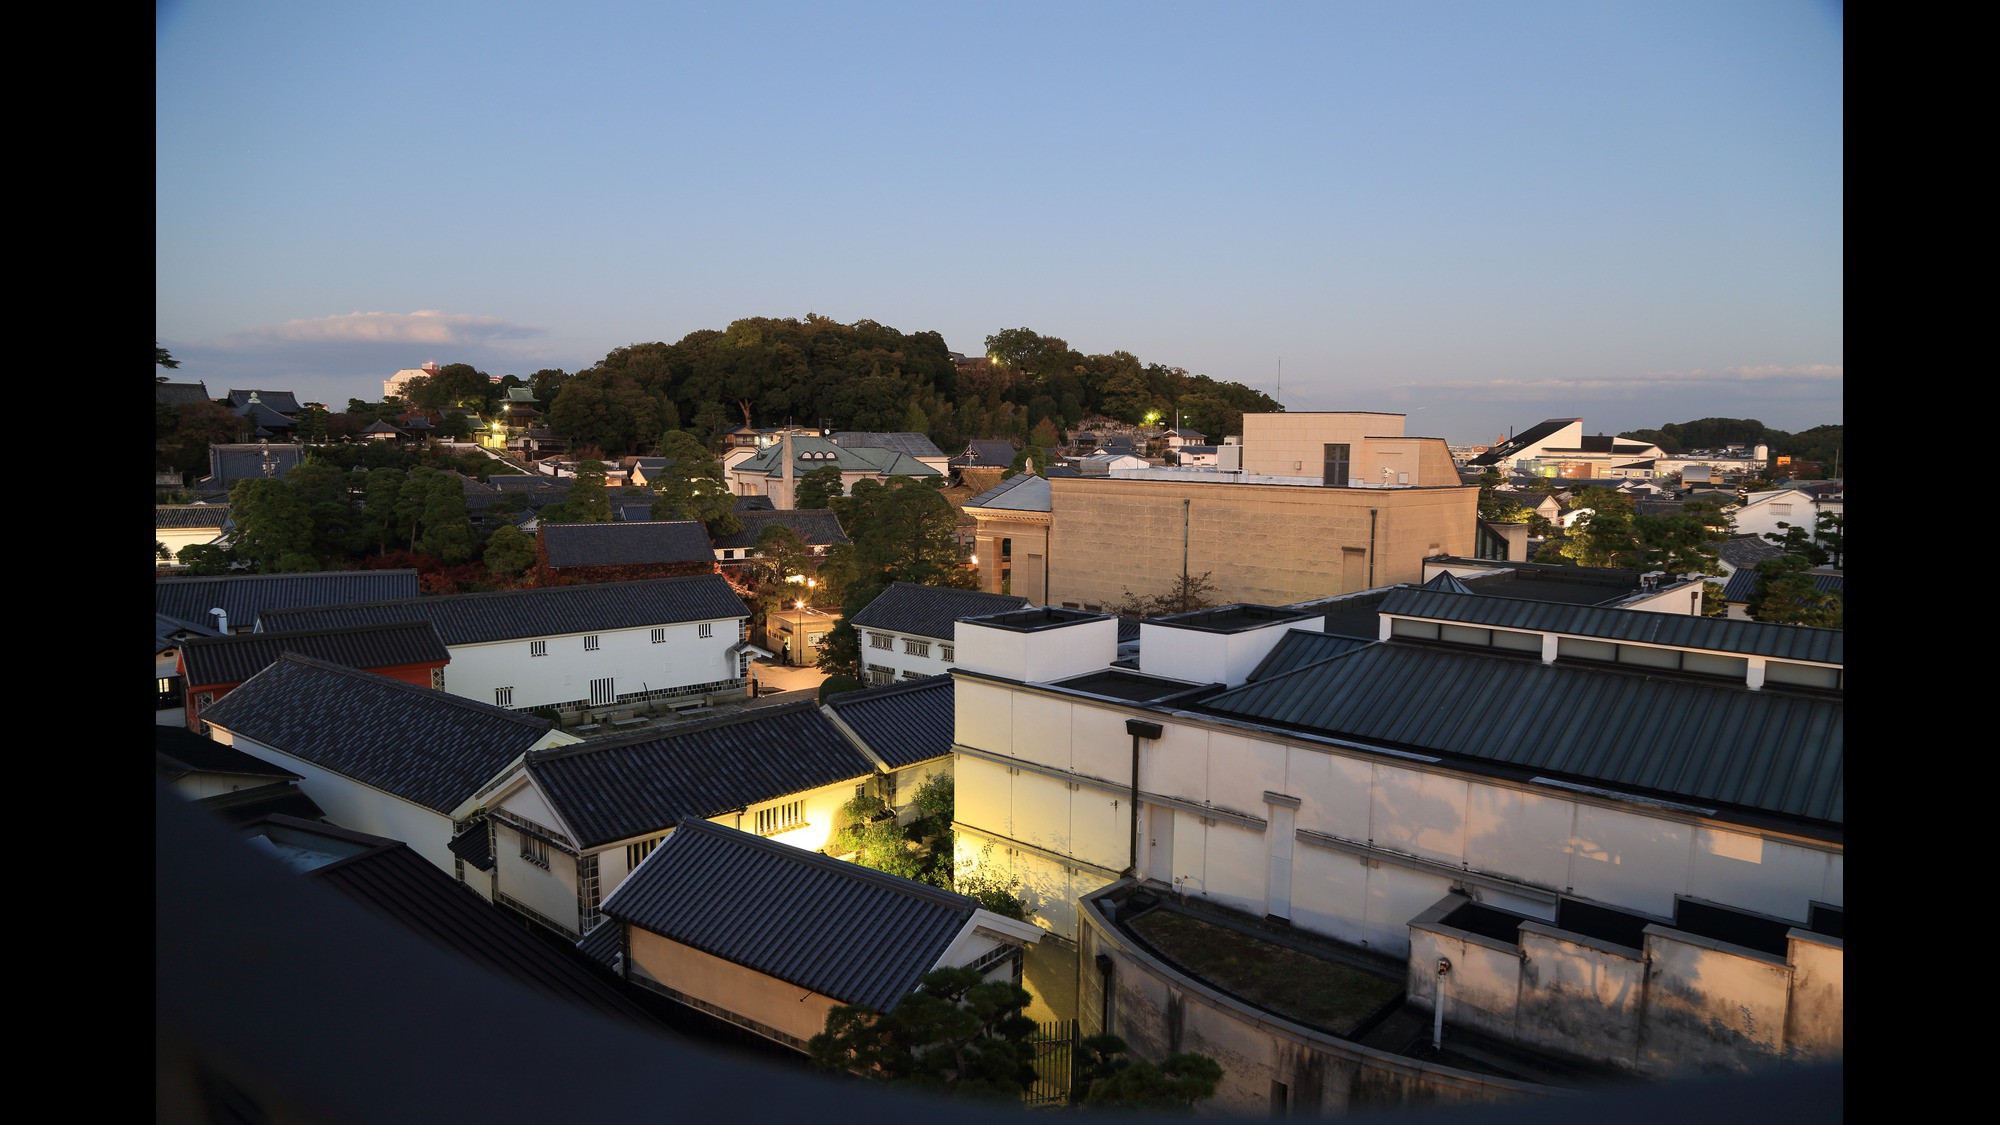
(221, 621)
(791, 471)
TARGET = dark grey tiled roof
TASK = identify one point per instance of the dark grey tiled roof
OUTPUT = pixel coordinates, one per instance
(240, 805)
(166, 629)
(180, 394)
(246, 596)
(228, 464)
(1750, 638)
(1743, 584)
(915, 445)
(903, 723)
(398, 884)
(190, 515)
(527, 482)
(652, 542)
(466, 619)
(1743, 551)
(986, 451)
(1300, 647)
(1447, 582)
(474, 845)
(839, 929)
(262, 415)
(931, 611)
(284, 402)
(817, 526)
(633, 513)
(425, 746)
(234, 659)
(754, 504)
(809, 453)
(618, 788)
(1764, 751)
(179, 751)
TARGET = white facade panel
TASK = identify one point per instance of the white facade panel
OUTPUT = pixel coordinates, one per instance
(984, 794)
(1767, 876)
(627, 656)
(1241, 770)
(982, 716)
(363, 808)
(1630, 860)
(1101, 826)
(1335, 791)
(1518, 835)
(1041, 813)
(1041, 730)
(1100, 746)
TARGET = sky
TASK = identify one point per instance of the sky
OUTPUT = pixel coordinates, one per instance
(1479, 215)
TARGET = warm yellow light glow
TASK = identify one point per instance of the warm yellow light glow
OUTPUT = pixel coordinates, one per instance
(975, 560)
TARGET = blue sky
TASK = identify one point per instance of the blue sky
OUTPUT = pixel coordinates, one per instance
(1482, 215)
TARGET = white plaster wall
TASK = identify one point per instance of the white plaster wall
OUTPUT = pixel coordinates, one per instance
(1523, 835)
(1754, 873)
(1580, 998)
(1710, 1007)
(350, 804)
(984, 794)
(551, 892)
(1420, 812)
(565, 673)
(1241, 771)
(901, 662)
(1099, 745)
(1484, 984)
(1042, 730)
(982, 716)
(1629, 859)
(527, 803)
(1815, 1030)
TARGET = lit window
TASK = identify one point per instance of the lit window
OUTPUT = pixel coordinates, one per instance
(780, 818)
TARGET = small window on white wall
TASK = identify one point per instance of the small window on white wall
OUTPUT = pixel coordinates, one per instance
(538, 648)
(590, 643)
(503, 697)
(659, 636)
(707, 629)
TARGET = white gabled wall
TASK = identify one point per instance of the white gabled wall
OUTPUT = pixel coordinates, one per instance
(629, 656)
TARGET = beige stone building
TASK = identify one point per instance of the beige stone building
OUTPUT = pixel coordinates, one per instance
(1323, 504)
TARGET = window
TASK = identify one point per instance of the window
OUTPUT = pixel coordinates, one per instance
(636, 853)
(602, 692)
(780, 818)
(1781, 509)
(947, 653)
(909, 675)
(878, 675)
(589, 893)
(503, 697)
(707, 629)
(659, 636)
(535, 851)
(916, 648)
(538, 648)
(590, 643)
(881, 640)
(437, 679)
(728, 554)
(1336, 463)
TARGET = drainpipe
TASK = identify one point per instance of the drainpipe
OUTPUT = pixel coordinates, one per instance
(1371, 548)
(1437, 1003)
(1138, 729)
(1185, 503)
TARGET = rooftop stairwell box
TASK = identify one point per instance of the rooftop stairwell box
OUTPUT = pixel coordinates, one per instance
(1037, 645)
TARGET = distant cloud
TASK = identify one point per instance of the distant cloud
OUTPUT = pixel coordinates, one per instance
(427, 327)
(1769, 376)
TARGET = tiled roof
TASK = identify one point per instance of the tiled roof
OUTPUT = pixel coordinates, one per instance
(396, 883)
(652, 542)
(1742, 584)
(245, 461)
(264, 416)
(817, 526)
(1744, 551)
(246, 596)
(1749, 638)
(284, 402)
(179, 394)
(903, 723)
(178, 751)
(1022, 492)
(468, 619)
(930, 611)
(1764, 751)
(428, 747)
(915, 445)
(190, 515)
(615, 789)
(753, 504)
(234, 659)
(838, 929)
(474, 845)
(986, 451)
(166, 629)
(1300, 647)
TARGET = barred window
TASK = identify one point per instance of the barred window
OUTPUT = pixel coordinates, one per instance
(881, 640)
(707, 629)
(659, 636)
(916, 648)
(948, 654)
(602, 692)
(879, 674)
(538, 648)
(779, 818)
(636, 853)
(535, 851)
(590, 643)
(503, 697)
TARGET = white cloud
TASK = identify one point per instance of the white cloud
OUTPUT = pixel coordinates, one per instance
(428, 327)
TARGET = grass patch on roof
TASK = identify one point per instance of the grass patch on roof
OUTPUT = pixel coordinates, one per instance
(1289, 982)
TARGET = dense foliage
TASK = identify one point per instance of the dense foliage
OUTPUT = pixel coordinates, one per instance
(955, 1034)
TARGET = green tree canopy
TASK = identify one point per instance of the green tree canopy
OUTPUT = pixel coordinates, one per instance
(691, 487)
(509, 551)
(1107, 1076)
(818, 488)
(957, 1033)
(274, 528)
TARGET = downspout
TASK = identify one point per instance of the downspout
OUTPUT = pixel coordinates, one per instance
(1138, 729)
(1185, 503)
(1371, 548)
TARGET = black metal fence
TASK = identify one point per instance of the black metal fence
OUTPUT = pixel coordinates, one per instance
(1055, 1063)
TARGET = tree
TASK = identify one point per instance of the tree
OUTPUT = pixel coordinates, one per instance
(1107, 1076)
(1786, 594)
(509, 551)
(588, 501)
(1188, 593)
(957, 1033)
(783, 553)
(206, 559)
(1825, 544)
(691, 486)
(183, 433)
(609, 411)
(818, 488)
(273, 526)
